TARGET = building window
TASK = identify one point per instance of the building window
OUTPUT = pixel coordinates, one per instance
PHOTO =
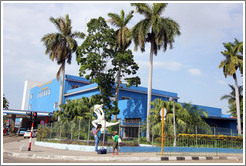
(131, 132)
(125, 98)
(49, 91)
(132, 120)
(30, 107)
(46, 92)
(31, 96)
(55, 105)
(75, 86)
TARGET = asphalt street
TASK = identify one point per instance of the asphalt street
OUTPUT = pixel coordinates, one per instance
(14, 159)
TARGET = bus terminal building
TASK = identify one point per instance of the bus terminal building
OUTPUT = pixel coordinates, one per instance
(132, 102)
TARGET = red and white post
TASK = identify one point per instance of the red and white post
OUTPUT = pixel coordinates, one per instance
(30, 141)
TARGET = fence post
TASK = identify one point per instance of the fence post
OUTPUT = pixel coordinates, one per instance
(119, 128)
(139, 133)
(50, 129)
(104, 131)
(88, 137)
(152, 135)
(196, 135)
(79, 131)
(60, 130)
(71, 130)
(214, 131)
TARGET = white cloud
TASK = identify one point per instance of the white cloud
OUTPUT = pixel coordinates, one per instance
(195, 72)
(221, 82)
(171, 66)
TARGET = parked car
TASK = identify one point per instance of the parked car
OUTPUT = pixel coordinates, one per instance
(21, 131)
(28, 133)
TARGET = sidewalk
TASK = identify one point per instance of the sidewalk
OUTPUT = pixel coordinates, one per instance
(19, 149)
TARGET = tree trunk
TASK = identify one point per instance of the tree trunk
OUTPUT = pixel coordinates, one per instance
(61, 89)
(149, 91)
(117, 90)
(237, 105)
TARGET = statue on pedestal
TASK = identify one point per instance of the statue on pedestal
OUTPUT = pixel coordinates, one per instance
(101, 118)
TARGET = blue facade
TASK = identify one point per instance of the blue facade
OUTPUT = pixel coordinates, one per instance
(132, 100)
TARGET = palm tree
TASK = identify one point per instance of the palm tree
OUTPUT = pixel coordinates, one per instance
(78, 109)
(60, 46)
(180, 115)
(233, 61)
(123, 42)
(159, 32)
(196, 121)
(232, 100)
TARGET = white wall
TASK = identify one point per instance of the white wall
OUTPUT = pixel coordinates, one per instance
(27, 87)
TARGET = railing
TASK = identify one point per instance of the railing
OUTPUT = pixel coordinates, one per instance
(210, 142)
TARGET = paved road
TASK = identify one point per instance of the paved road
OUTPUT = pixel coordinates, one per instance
(16, 139)
(12, 138)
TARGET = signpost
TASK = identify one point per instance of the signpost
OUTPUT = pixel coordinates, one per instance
(42, 122)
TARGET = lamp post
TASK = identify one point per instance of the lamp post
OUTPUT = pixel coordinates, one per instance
(174, 126)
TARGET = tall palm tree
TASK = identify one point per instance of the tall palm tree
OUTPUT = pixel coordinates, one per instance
(233, 61)
(159, 32)
(123, 41)
(232, 99)
(60, 46)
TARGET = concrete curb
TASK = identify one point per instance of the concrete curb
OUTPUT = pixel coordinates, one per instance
(199, 158)
(82, 158)
(114, 158)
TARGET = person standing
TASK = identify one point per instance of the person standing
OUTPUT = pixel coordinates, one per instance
(97, 134)
(115, 143)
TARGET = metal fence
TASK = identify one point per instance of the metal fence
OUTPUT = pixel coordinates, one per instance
(189, 140)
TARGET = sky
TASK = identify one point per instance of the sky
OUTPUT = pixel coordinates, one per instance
(190, 69)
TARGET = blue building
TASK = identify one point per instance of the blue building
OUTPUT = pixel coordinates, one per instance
(132, 102)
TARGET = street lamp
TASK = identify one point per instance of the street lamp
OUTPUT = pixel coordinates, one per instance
(174, 126)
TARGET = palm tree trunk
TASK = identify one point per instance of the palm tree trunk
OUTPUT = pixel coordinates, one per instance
(237, 105)
(117, 90)
(149, 91)
(61, 88)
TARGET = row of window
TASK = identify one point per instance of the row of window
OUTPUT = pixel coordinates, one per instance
(44, 93)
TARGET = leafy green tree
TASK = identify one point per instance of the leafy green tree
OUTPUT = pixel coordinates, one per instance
(123, 61)
(60, 46)
(156, 30)
(233, 61)
(93, 56)
(5, 103)
(232, 101)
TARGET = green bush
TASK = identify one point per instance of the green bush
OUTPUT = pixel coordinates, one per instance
(43, 133)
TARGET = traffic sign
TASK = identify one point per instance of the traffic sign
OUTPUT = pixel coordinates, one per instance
(41, 122)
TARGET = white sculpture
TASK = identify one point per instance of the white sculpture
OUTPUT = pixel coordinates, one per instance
(101, 118)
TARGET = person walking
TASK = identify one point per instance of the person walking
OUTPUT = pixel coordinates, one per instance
(115, 143)
(97, 134)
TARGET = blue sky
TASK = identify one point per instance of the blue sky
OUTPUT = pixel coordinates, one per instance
(189, 69)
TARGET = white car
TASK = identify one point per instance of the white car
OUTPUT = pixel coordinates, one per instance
(28, 133)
